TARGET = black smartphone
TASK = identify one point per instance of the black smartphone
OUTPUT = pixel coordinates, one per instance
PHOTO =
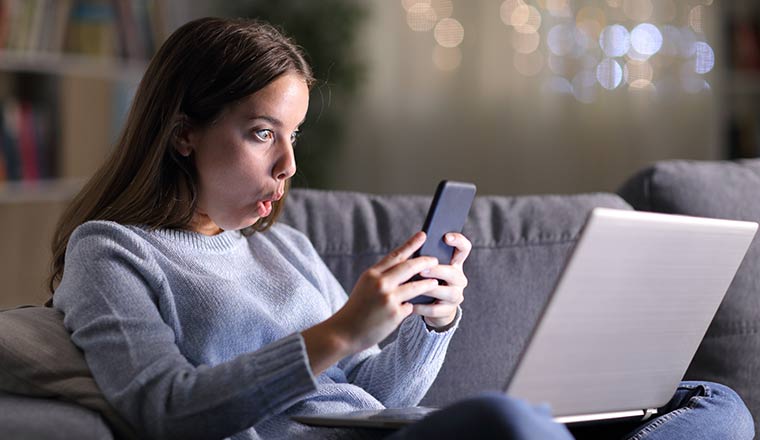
(447, 213)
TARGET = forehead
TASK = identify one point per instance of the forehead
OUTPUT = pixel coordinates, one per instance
(286, 98)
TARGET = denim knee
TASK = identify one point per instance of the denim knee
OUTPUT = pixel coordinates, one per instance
(730, 407)
(700, 411)
(488, 416)
(513, 418)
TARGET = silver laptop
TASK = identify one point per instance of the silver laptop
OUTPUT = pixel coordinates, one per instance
(623, 323)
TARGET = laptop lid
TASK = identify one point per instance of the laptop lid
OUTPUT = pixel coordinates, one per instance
(628, 313)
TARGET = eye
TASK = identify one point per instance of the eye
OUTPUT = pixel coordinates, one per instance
(264, 134)
(294, 137)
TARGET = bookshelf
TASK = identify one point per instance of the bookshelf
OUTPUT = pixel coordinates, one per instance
(741, 100)
(68, 71)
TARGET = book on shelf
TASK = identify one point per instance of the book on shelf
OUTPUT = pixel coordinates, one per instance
(25, 153)
(126, 29)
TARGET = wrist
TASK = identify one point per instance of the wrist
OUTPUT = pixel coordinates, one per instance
(340, 335)
(441, 324)
(326, 344)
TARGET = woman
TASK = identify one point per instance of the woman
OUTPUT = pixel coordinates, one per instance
(201, 317)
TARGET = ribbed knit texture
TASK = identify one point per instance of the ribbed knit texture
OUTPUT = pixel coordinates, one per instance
(191, 336)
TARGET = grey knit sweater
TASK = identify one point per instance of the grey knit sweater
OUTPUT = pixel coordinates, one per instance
(191, 336)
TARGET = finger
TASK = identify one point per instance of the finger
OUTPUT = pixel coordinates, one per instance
(401, 272)
(435, 310)
(451, 275)
(446, 294)
(414, 289)
(462, 247)
(401, 253)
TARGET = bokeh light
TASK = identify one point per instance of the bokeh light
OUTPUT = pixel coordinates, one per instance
(646, 39)
(526, 43)
(643, 89)
(526, 19)
(704, 57)
(406, 4)
(507, 8)
(591, 21)
(449, 32)
(609, 74)
(696, 19)
(615, 40)
(442, 8)
(640, 43)
(636, 70)
(582, 43)
(421, 17)
(559, 8)
(633, 54)
(561, 39)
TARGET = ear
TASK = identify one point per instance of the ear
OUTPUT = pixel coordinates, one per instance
(182, 136)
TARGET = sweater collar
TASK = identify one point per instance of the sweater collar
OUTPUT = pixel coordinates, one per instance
(223, 241)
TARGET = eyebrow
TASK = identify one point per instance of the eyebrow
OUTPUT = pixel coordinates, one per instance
(271, 120)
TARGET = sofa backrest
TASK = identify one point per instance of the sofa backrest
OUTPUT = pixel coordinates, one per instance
(520, 245)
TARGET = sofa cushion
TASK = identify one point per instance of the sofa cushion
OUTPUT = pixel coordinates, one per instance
(730, 352)
(519, 249)
(32, 418)
(39, 360)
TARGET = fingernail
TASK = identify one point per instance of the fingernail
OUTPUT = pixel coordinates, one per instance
(425, 272)
(449, 238)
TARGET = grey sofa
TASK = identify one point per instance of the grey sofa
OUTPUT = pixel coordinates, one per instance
(519, 247)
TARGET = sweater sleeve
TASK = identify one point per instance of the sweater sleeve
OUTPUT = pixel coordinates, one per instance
(110, 295)
(402, 372)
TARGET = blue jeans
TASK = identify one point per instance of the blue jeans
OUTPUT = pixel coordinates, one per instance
(698, 410)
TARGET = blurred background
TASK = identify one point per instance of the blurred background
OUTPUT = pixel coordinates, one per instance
(518, 96)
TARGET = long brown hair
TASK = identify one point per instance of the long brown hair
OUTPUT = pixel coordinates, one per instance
(203, 67)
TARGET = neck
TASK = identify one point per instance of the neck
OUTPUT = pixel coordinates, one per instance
(203, 224)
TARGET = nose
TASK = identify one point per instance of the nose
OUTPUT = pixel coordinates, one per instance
(285, 167)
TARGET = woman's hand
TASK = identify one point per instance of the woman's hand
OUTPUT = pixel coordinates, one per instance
(378, 302)
(448, 296)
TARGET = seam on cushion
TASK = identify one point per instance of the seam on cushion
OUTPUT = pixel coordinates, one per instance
(29, 384)
(338, 252)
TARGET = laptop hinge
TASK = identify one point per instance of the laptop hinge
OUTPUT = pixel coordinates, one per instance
(648, 413)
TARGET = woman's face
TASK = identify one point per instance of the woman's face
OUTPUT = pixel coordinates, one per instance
(246, 156)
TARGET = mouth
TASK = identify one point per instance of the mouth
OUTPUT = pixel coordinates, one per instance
(275, 197)
(264, 206)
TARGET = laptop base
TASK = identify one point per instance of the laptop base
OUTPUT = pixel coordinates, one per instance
(396, 418)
